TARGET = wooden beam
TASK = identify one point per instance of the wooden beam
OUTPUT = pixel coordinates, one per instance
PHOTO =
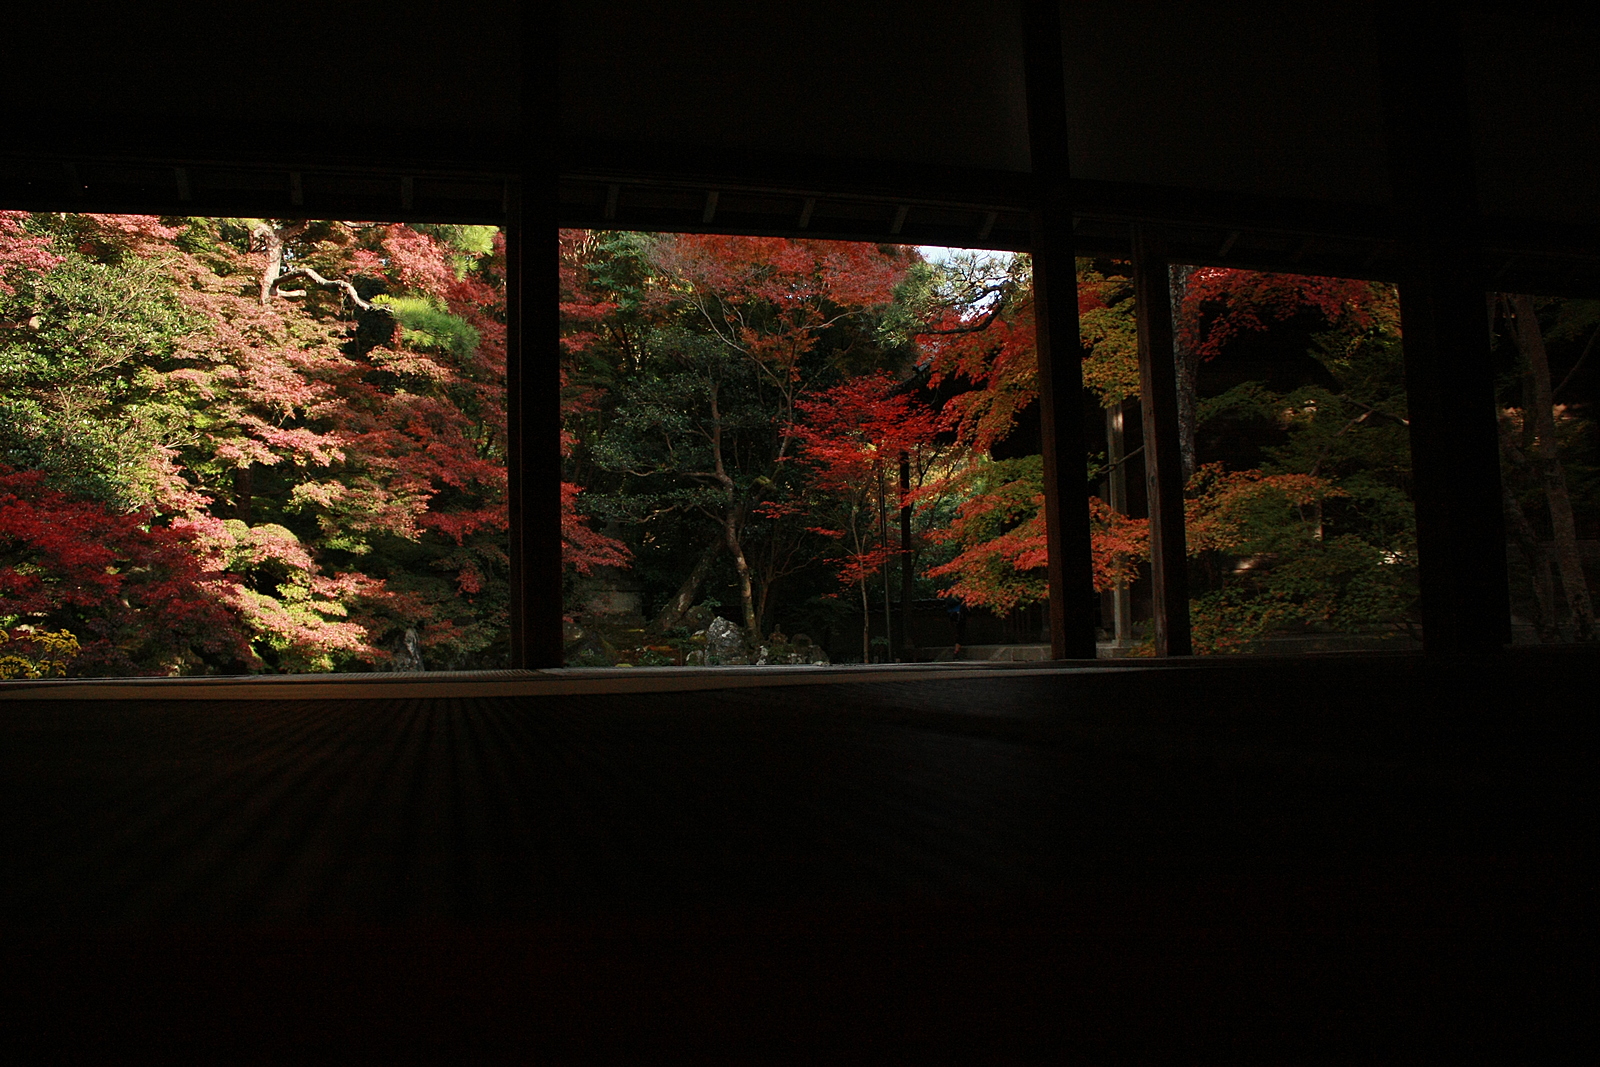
(1074, 608)
(1455, 454)
(1163, 464)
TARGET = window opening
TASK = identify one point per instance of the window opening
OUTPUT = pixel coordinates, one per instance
(1549, 460)
(787, 451)
(250, 445)
(1294, 435)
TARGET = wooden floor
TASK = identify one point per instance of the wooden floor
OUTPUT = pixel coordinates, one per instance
(1365, 856)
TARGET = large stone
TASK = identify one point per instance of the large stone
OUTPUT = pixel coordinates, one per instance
(806, 652)
(783, 651)
(407, 654)
(725, 643)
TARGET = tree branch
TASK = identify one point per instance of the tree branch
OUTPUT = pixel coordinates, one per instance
(326, 283)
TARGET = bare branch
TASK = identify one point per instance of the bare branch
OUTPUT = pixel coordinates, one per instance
(326, 283)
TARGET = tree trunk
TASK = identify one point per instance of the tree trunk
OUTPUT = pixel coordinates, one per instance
(1533, 552)
(1529, 339)
(274, 240)
(243, 496)
(883, 540)
(907, 578)
(1187, 365)
(731, 519)
(866, 624)
(1117, 498)
(861, 584)
(747, 600)
(672, 614)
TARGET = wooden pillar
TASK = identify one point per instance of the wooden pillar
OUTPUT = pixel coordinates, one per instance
(517, 548)
(1117, 498)
(533, 366)
(908, 647)
(1074, 609)
(533, 461)
(1455, 456)
(1163, 460)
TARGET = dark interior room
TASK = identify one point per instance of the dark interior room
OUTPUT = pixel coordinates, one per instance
(1335, 856)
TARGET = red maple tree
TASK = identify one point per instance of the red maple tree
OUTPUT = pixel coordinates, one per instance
(1219, 304)
(142, 597)
(853, 438)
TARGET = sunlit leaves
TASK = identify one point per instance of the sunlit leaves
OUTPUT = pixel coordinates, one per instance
(141, 369)
(141, 598)
(853, 438)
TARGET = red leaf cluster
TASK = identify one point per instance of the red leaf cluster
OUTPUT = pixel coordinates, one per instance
(21, 251)
(141, 598)
(852, 439)
(1220, 304)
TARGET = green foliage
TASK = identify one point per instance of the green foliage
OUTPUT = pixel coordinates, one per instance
(348, 476)
(467, 244)
(999, 528)
(1322, 538)
(82, 384)
(471, 240)
(425, 323)
(1107, 328)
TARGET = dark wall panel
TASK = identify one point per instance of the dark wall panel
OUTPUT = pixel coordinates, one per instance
(360, 79)
(903, 80)
(1535, 99)
(1242, 97)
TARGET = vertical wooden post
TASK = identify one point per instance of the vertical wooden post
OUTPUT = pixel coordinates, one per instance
(1074, 609)
(1455, 456)
(907, 577)
(541, 407)
(1117, 498)
(1163, 461)
(516, 468)
(533, 370)
(533, 434)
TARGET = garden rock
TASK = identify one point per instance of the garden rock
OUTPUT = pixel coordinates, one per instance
(725, 643)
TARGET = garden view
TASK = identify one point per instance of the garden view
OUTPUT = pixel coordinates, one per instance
(242, 445)
(771, 438)
(266, 445)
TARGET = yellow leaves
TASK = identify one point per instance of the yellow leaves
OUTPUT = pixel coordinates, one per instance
(1230, 509)
(29, 653)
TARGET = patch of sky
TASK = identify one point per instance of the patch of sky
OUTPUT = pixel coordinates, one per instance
(973, 277)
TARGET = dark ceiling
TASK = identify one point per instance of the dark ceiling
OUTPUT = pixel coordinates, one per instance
(396, 110)
(1253, 129)
(1251, 97)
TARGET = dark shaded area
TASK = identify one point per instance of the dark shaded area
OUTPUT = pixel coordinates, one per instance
(361, 81)
(1220, 856)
